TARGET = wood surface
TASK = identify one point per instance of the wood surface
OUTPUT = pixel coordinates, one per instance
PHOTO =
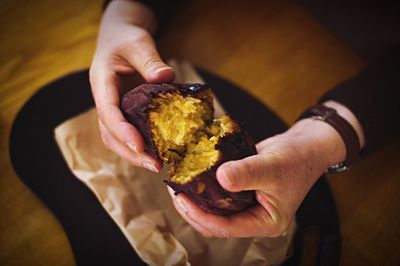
(272, 48)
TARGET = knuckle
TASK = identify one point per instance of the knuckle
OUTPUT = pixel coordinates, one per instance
(223, 231)
(91, 74)
(277, 230)
(106, 140)
(101, 114)
(112, 110)
(95, 70)
(107, 111)
(122, 47)
(136, 159)
(92, 77)
(224, 234)
(151, 63)
(245, 171)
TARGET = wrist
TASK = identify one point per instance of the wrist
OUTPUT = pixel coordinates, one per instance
(319, 141)
(345, 113)
(130, 12)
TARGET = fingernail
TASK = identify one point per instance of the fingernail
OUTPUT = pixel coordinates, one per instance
(150, 167)
(181, 205)
(132, 147)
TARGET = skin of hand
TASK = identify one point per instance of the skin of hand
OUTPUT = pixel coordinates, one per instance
(125, 48)
(284, 170)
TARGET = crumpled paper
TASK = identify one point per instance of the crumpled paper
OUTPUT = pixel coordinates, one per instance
(138, 201)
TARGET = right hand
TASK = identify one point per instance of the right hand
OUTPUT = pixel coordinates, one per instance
(125, 46)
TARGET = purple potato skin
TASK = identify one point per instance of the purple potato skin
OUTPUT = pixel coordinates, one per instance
(135, 105)
(213, 198)
(204, 189)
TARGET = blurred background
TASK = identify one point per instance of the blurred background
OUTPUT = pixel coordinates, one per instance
(285, 53)
(39, 41)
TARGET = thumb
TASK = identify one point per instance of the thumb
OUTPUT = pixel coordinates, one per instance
(144, 57)
(247, 174)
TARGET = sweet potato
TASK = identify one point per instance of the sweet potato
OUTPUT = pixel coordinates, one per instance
(178, 127)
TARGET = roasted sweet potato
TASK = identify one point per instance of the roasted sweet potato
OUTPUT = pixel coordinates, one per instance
(178, 126)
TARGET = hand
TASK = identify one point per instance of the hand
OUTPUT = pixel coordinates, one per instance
(125, 46)
(282, 173)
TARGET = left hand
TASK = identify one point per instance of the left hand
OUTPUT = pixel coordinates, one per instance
(282, 173)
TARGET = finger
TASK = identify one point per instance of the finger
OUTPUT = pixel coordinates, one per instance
(181, 209)
(252, 222)
(272, 205)
(260, 145)
(247, 174)
(263, 220)
(106, 94)
(144, 57)
(140, 160)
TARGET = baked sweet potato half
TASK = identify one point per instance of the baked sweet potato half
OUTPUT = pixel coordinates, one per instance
(178, 126)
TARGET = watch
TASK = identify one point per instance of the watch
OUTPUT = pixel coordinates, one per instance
(345, 130)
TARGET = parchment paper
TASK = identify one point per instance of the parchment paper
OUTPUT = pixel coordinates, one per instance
(138, 201)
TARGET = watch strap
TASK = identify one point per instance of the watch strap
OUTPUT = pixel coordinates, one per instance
(345, 130)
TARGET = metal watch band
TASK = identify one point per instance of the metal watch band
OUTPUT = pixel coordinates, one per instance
(345, 130)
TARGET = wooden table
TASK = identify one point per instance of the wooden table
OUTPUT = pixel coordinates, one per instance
(272, 48)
